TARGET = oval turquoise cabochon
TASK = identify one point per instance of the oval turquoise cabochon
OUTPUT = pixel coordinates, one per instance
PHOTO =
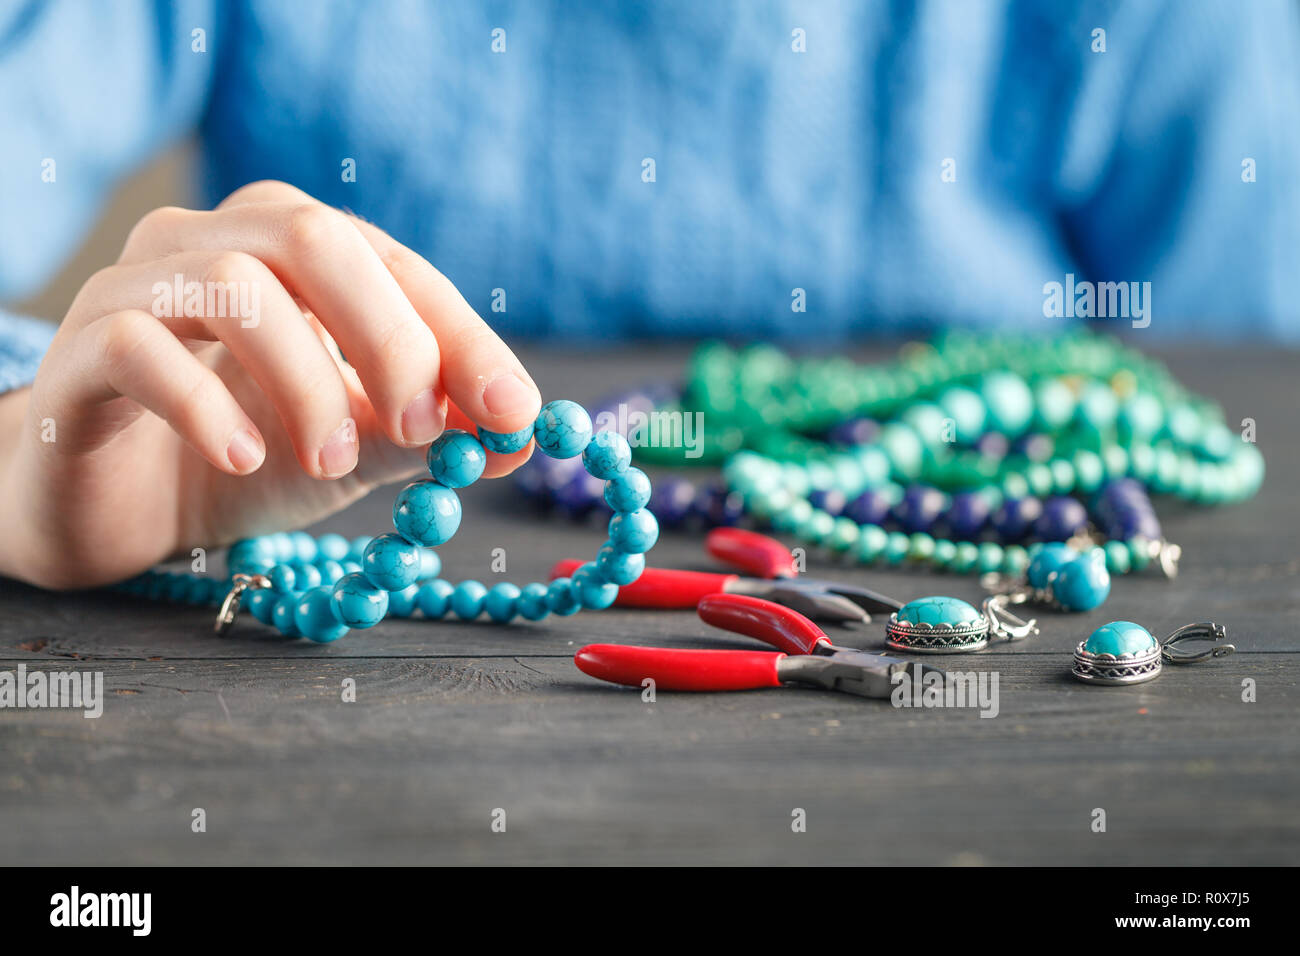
(1120, 638)
(938, 610)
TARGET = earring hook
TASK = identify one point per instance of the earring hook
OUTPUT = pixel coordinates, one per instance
(1205, 631)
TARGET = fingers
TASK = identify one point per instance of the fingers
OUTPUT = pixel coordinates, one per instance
(266, 332)
(480, 373)
(319, 254)
(131, 354)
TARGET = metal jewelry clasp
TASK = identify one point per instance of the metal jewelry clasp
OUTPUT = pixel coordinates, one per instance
(1004, 624)
(1207, 631)
(230, 606)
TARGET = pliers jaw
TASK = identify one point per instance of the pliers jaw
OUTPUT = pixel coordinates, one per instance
(852, 672)
(819, 600)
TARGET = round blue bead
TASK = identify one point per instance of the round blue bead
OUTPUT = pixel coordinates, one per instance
(633, 531)
(304, 546)
(1016, 516)
(357, 547)
(456, 459)
(1046, 561)
(283, 579)
(1084, 583)
(331, 572)
(1119, 638)
(831, 500)
(468, 599)
(402, 603)
(967, 515)
(430, 564)
(919, 508)
(870, 507)
(332, 547)
(718, 507)
(434, 598)
(854, 431)
(1062, 516)
(607, 454)
(250, 556)
(391, 562)
(562, 429)
(671, 500)
(261, 603)
(506, 443)
(426, 513)
(358, 603)
(532, 604)
(591, 588)
(560, 598)
(579, 495)
(629, 491)
(282, 543)
(306, 576)
(501, 603)
(619, 567)
(282, 615)
(314, 616)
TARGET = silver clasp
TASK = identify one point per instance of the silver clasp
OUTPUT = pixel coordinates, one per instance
(1207, 631)
(1004, 624)
(230, 606)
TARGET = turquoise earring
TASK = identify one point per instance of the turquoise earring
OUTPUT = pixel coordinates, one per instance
(1125, 653)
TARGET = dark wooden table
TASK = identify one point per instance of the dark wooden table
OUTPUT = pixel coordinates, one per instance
(454, 721)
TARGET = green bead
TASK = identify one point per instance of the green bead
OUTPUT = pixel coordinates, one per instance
(967, 554)
(1009, 401)
(967, 411)
(1039, 477)
(945, 552)
(1098, 408)
(896, 547)
(990, 557)
(818, 527)
(1089, 471)
(872, 540)
(921, 547)
(1014, 560)
(1053, 404)
(928, 421)
(1139, 551)
(1062, 476)
(844, 534)
(1141, 417)
(1117, 557)
(904, 449)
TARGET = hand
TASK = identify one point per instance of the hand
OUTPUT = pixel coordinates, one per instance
(171, 431)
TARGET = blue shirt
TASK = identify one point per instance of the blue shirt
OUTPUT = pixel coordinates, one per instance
(899, 164)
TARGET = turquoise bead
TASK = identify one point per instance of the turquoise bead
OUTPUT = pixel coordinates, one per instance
(904, 449)
(434, 598)
(332, 547)
(1049, 559)
(562, 429)
(1053, 404)
(430, 564)
(619, 567)
(628, 491)
(967, 411)
(1119, 638)
(967, 554)
(1098, 407)
(989, 558)
(501, 603)
(261, 604)
(306, 576)
(391, 562)
(314, 616)
(468, 599)
(1084, 583)
(1009, 401)
(871, 543)
(358, 603)
(945, 552)
(560, 598)
(331, 572)
(532, 604)
(426, 513)
(633, 531)
(456, 459)
(939, 610)
(304, 546)
(591, 588)
(506, 443)
(282, 615)
(402, 603)
(897, 546)
(1117, 557)
(606, 455)
(357, 547)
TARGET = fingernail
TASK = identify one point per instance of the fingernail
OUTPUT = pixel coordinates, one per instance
(245, 451)
(338, 456)
(422, 421)
(508, 395)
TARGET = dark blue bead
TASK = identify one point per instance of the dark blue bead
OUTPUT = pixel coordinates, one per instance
(967, 515)
(993, 445)
(919, 508)
(870, 507)
(717, 508)
(1061, 518)
(854, 431)
(1016, 516)
(830, 500)
(671, 500)
(1035, 447)
(1135, 524)
(579, 495)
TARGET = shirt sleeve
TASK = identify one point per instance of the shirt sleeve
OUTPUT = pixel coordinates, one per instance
(88, 92)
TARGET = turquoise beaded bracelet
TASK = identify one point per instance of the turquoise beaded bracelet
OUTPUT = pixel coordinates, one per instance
(322, 588)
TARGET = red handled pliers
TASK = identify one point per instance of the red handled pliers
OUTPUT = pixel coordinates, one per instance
(775, 579)
(805, 656)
